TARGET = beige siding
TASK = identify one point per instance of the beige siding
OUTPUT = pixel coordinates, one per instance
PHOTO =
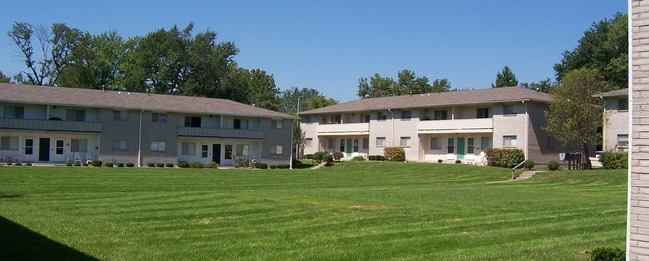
(638, 227)
(616, 122)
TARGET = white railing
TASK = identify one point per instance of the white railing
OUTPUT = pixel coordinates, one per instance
(344, 129)
(50, 125)
(456, 126)
(220, 133)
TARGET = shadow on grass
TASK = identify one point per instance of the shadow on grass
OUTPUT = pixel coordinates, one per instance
(19, 243)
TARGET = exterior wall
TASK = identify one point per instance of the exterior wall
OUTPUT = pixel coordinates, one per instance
(510, 125)
(541, 148)
(309, 132)
(276, 137)
(433, 155)
(615, 122)
(66, 154)
(116, 130)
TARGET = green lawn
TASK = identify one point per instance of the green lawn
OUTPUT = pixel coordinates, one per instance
(350, 211)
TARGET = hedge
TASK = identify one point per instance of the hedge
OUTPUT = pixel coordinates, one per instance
(394, 154)
(615, 159)
(506, 158)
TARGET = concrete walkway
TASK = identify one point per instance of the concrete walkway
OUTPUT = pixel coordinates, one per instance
(524, 176)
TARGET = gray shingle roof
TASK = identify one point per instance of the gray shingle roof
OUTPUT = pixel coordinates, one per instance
(31, 94)
(480, 96)
(616, 93)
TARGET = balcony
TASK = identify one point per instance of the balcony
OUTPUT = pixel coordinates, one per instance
(50, 125)
(344, 129)
(456, 126)
(220, 133)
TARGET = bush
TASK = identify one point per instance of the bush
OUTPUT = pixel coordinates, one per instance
(328, 158)
(212, 165)
(260, 165)
(183, 164)
(376, 157)
(108, 164)
(77, 164)
(120, 165)
(505, 158)
(19, 164)
(160, 165)
(615, 159)
(529, 164)
(130, 165)
(169, 165)
(96, 163)
(394, 154)
(554, 165)
(28, 164)
(458, 161)
(198, 165)
(308, 156)
(150, 165)
(319, 155)
(84, 164)
(440, 160)
(607, 254)
(338, 155)
(358, 158)
(296, 163)
(68, 164)
(284, 166)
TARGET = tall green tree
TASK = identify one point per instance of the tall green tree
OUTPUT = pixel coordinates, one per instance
(441, 85)
(604, 48)
(574, 115)
(4, 78)
(310, 99)
(545, 85)
(407, 83)
(505, 78)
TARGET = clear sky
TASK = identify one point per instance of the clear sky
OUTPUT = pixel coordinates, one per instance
(329, 44)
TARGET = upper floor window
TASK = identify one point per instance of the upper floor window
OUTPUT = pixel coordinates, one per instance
(335, 119)
(482, 113)
(277, 124)
(509, 109)
(240, 124)
(120, 115)
(365, 118)
(76, 115)
(159, 117)
(406, 115)
(440, 115)
(623, 104)
(381, 116)
(193, 121)
(308, 119)
(14, 112)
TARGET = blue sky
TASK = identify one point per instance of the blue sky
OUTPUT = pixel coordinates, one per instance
(329, 45)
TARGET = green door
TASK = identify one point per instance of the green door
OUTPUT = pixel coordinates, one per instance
(349, 148)
(460, 147)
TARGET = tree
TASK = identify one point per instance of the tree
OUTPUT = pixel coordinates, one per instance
(441, 85)
(4, 78)
(407, 83)
(506, 78)
(604, 48)
(574, 114)
(310, 99)
(542, 86)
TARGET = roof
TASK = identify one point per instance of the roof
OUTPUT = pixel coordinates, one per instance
(47, 95)
(616, 93)
(480, 96)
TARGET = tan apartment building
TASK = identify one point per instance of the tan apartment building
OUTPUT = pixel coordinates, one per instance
(446, 126)
(615, 133)
(59, 125)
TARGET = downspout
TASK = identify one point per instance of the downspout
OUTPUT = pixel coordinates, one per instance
(527, 129)
(291, 145)
(139, 142)
(604, 125)
(392, 138)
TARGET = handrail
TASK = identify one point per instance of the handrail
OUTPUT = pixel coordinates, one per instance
(517, 166)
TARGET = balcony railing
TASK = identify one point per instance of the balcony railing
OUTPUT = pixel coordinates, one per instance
(220, 133)
(50, 125)
(344, 129)
(456, 126)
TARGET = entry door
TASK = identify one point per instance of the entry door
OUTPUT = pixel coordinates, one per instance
(216, 153)
(460, 147)
(349, 148)
(44, 149)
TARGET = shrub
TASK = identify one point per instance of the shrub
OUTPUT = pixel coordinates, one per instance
(358, 158)
(319, 155)
(458, 161)
(328, 158)
(120, 165)
(28, 164)
(211, 165)
(608, 254)
(84, 164)
(260, 165)
(19, 164)
(197, 165)
(615, 159)
(506, 158)
(296, 163)
(169, 165)
(68, 164)
(338, 155)
(529, 164)
(108, 164)
(183, 164)
(394, 154)
(376, 157)
(9, 163)
(308, 156)
(96, 163)
(284, 166)
(77, 164)
(160, 165)
(554, 165)
(150, 165)
(130, 165)
(440, 160)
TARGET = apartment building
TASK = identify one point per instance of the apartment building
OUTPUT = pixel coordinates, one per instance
(449, 126)
(58, 125)
(615, 133)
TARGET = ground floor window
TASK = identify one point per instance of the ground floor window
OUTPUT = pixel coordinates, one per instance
(355, 145)
(79, 145)
(276, 150)
(158, 146)
(470, 145)
(450, 149)
(435, 143)
(8, 143)
(228, 151)
(242, 150)
(188, 149)
(331, 144)
(342, 145)
(366, 143)
(509, 141)
(308, 142)
(622, 140)
(204, 151)
(486, 143)
(380, 141)
(29, 146)
(120, 145)
(405, 142)
(59, 147)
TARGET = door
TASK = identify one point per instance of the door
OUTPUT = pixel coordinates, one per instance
(349, 148)
(460, 147)
(216, 153)
(44, 149)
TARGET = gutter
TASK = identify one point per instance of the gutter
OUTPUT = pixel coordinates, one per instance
(139, 142)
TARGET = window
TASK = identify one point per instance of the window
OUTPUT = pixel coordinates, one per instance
(228, 151)
(470, 145)
(8, 143)
(450, 149)
(240, 124)
(406, 115)
(509, 141)
(308, 142)
(380, 141)
(331, 144)
(159, 117)
(242, 150)
(381, 116)
(405, 142)
(440, 115)
(276, 150)
(508, 109)
(120, 145)
(623, 104)
(29, 146)
(308, 119)
(193, 121)
(59, 147)
(277, 124)
(355, 149)
(120, 115)
(79, 145)
(482, 113)
(158, 146)
(14, 112)
(486, 143)
(365, 118)
(188, 149)
(622, 140)
(366, 143)
(435, 143)
(204, 151)
(342, 145)
(76, 115)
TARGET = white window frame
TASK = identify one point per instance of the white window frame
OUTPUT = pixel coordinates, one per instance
(76, 145)
(510, 141)
(276, 150)
(308, 142)
(435, 143)
(158, 146)
(623, 140)
(120, 115)
(380, 142)
(120, 145)
(405, 142)
(158, 117)
(188, 149)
